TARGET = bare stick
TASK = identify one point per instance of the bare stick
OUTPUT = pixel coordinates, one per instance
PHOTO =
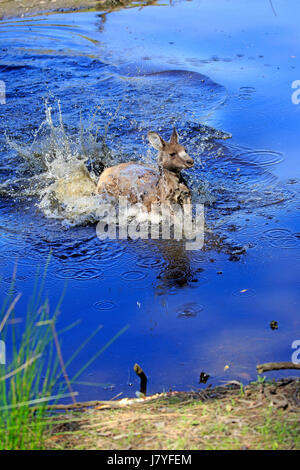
(276, 366)
(86, 404)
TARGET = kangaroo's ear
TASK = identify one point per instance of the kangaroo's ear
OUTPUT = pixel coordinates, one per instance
(174, 137)
(156, 140)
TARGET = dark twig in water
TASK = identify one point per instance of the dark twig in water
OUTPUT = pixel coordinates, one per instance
(139, 371)
(276, 366)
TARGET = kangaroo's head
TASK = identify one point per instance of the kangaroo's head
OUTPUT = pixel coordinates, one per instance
(171, 155)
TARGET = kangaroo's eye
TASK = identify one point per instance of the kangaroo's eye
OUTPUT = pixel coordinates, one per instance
(173, 154)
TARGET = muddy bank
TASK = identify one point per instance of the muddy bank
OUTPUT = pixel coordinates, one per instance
(262, 415)
(12, 9)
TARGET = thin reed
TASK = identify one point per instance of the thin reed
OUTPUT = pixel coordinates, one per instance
(34, 374)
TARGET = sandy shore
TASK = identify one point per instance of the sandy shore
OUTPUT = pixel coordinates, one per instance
(22, 8)
(261, 415)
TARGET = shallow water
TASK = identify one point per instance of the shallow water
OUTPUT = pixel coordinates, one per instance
(82, 91)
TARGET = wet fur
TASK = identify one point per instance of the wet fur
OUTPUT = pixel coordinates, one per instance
(147, 185)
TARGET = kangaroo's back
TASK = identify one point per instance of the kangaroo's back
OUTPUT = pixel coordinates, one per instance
(130, 179)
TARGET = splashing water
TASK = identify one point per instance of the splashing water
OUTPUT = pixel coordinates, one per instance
(61, 166)
(55, 170)
(60, 170)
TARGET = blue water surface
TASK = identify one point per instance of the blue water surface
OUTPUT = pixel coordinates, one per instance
(214, 69)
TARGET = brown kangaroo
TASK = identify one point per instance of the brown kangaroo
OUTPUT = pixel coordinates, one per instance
(148, 185)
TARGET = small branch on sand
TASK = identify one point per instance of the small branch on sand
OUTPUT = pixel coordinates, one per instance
(80, 405)
(276, 366)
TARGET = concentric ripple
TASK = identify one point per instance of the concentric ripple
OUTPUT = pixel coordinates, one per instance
(291, 242)
(277, 233)
(105, 305)
(261, 157)
(150, 262)
(281, 238)
(133, 276)
(197, 282)
(175, 274)
(86, 274)
(189, 310)
(108, 253)
(246, 92)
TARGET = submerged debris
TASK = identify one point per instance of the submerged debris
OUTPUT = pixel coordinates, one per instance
(274, 325)
(203, 378)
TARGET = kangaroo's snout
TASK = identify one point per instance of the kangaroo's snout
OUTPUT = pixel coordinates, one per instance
(189, 162)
